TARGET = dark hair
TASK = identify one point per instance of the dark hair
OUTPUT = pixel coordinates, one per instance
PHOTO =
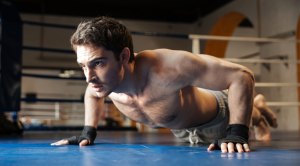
(103, 32)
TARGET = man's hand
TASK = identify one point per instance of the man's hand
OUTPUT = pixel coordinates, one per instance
(230, 147)
(60, 143)
(87, 137)
(66, 142)
(235, 140)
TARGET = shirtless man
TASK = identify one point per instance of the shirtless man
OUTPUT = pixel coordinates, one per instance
(262, 118)
(193, 95)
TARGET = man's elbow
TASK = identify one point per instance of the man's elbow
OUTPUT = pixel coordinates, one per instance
(248, 77)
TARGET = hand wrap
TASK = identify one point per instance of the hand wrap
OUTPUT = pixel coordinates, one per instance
(236, 133)
(89, 133)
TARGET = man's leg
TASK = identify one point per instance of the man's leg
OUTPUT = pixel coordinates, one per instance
(260, 127)
(262, 119)
(261, 105)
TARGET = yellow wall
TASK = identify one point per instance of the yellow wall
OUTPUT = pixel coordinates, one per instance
(225, 26)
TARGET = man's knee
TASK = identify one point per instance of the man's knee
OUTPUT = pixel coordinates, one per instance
(259, 101)
(256, 116)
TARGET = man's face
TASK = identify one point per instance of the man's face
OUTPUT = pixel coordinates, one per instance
(102, 71)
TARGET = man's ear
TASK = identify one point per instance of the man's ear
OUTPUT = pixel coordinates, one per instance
(125, 55)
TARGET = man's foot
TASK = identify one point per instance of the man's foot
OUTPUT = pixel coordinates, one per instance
(261, 105)
(262, 131)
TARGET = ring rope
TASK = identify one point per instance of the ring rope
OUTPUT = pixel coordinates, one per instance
(285, 104)
(241, 39)
(51, 76)
(276, 84)
(184, 36)
(33, 100)
(257, 84)
(275, 61)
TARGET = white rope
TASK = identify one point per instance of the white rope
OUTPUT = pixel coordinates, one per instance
(274, 61)
(240, 38)
(285, 104)
(276, 84)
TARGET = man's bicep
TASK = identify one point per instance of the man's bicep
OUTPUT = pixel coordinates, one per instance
(211, 73)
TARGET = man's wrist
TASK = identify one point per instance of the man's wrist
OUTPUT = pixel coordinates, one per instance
(88, 133)
(240, 130)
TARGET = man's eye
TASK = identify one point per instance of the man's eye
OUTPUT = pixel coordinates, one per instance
(99, 63)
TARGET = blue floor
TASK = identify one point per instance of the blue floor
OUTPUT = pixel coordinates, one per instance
(132, 148)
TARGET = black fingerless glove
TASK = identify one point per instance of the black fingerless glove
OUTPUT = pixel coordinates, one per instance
(89, 133)
(236, 133)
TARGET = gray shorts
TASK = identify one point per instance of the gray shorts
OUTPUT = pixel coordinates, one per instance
(209, 132)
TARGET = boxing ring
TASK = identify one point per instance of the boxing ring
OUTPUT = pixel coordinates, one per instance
(76, 101)
(127, 146)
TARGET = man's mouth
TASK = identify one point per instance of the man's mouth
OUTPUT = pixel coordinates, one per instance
(97, 88)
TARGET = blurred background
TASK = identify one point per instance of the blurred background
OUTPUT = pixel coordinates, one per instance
(42, 87)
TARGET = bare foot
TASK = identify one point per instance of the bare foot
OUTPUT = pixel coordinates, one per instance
(262, 131)
(261, 104)
(260, 126)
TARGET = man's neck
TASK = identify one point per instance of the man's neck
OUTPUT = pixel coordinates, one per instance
(128, 85)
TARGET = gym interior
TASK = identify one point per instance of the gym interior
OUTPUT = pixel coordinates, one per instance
(42, 87)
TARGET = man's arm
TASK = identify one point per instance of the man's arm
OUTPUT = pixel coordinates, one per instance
(218, 74)
(93, 105)
(209, 72)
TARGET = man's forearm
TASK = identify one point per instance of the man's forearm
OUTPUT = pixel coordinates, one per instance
(240, 100)
(93, 106)
(91, 118)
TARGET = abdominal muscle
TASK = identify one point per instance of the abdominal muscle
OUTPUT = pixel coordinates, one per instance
(187, 108)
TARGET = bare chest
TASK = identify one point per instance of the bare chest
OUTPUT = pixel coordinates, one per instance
(154, 109)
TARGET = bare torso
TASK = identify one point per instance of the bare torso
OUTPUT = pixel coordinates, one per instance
(181, 109)
(160, 102)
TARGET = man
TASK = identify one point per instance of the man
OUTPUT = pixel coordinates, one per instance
(262, 118)
(193, 95)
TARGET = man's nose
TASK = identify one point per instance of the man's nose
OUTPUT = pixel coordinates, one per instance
(90, 75)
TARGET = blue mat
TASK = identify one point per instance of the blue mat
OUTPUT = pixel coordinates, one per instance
(141, 150)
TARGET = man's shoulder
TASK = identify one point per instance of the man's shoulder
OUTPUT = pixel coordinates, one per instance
(160, 55)
(155, 52)
(147, 59)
